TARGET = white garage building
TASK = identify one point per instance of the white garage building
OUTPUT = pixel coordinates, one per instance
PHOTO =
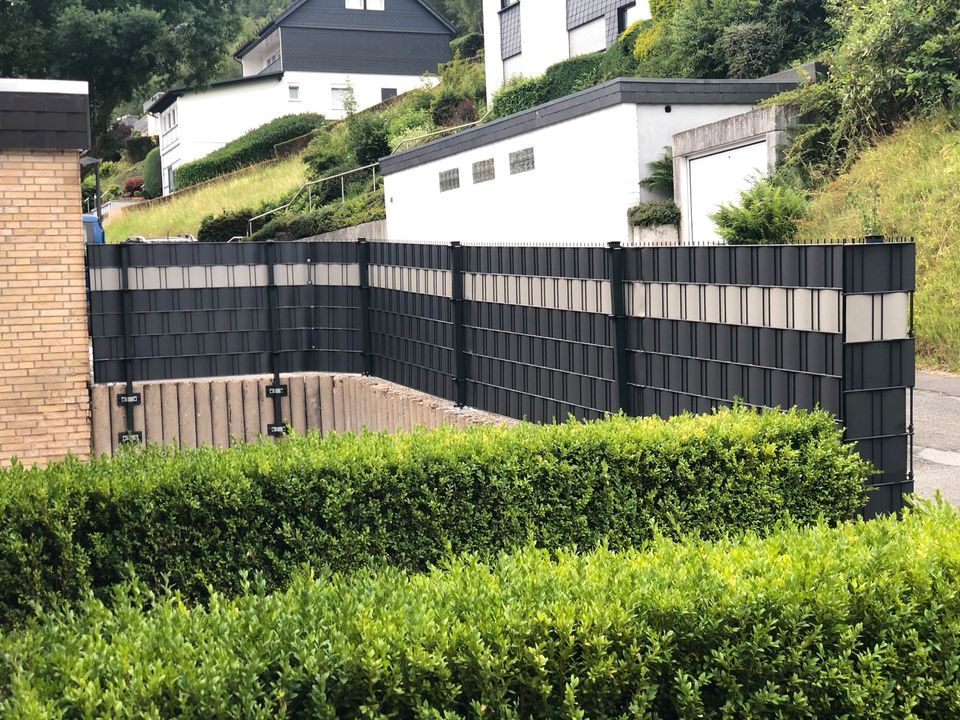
(564, 172)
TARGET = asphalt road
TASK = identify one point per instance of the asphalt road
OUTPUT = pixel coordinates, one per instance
(936, 452)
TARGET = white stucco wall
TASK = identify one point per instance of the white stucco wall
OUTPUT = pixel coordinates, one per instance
(588, 172)
(209, 120)
(544, 41)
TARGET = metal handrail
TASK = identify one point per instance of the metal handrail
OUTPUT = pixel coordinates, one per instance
(309, 186)
(441, 131)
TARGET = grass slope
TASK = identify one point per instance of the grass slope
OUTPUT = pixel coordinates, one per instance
(184, 213)
(912, 180)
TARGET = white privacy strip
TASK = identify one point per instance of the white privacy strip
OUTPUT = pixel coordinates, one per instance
(779, 308)
(885, 316)
(200, 277)
(544, 292)
(416, 280)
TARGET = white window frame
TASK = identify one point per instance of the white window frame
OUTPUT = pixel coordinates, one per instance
(337, 96)
(293, 92)
(364, 4)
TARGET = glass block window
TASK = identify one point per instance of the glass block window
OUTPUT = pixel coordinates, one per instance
(449, 180)
(483, 171)
(522, 161)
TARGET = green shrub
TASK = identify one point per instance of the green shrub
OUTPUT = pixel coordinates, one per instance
(451, 110)
(895, 59)
(465, 78)
(137, 147)
(367, 138)
(660, 179)
(467, 46)
(197, 518)
(225, 226)
(152, 177)
(769, 212)
(751, 50)
(518, 94)
(358, 209)
(327, 154)
(254, 147)
(569, 76)
(653, 214)
(856, 621)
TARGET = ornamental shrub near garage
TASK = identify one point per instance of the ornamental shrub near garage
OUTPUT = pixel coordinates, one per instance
(856, 621)
(195, 519)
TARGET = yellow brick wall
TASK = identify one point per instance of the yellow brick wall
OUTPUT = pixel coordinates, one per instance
(44, 356)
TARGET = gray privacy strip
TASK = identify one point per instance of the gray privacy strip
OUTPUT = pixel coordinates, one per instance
(772, 307)
(545, 292)
(883, 316)
(201, 277)
(415, 280)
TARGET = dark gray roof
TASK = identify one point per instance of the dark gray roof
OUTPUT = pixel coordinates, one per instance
(169, 97)
(31, 120)
(636, 91)
(398, 16)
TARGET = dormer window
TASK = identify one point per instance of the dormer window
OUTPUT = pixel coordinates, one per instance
(364, 4)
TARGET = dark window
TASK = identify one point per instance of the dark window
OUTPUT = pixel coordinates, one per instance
(627, 16)
(387, 93)
(449, 180)
(483, 171)
(507, 3)
(522, 161)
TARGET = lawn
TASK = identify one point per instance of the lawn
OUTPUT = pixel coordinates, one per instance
(912, 182)
(183, 214)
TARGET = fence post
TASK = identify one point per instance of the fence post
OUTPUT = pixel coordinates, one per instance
(128, 398)
(621, 371)
(363, 260)
(459, 330)
(275, 391)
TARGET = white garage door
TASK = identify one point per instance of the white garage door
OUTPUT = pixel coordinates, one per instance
(588, 38)
(719, 179)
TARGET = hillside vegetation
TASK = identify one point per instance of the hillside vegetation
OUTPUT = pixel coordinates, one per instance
(909, 184)
(185, 212)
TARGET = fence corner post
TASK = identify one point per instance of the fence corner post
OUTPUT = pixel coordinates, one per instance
(459, 330)
(363, 262)
(618, 312)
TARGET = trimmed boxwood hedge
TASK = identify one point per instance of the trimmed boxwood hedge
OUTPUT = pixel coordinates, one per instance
(653, 214)
(856, 621)
(195, 519)
(254, 147)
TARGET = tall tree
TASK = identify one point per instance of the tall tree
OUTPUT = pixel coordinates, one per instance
(116, 45)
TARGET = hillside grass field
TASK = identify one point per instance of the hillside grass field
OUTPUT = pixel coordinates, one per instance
(183, 214)
(910, 183)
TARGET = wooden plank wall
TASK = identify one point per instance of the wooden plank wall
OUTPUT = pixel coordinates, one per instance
(224, 411)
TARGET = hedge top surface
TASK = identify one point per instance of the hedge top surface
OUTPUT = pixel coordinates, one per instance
(856, 621)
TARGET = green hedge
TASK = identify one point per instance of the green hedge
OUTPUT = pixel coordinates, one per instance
(254, 147)
(197, 518)
(336, 215)
(857, 621)
(559, 80)
(152, 177)
(653, 214)
(467, 46)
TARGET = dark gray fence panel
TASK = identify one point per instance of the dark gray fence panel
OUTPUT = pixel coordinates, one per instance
(537, 332)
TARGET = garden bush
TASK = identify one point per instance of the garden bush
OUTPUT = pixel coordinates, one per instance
(223, 227)
(132, 185)
(152, 177)
(360, 208)
(254, 147)
(467, 46)
(856, 621)
(768, 212)
(137, 147)
(518, 94)
(652, 214)
(195, 519)
(559, 80)
(367, 138)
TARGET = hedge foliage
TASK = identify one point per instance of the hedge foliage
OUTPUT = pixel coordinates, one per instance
(856, 621)
(197, 518)
(152, 177)
(254, 147)
(768, 212)
(653, 214)
(559, 80)
(467, 46)
(363, 208)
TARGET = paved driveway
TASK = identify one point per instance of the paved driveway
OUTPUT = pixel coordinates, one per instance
(936, 456)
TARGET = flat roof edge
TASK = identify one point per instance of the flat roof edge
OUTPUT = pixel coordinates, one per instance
(50, 87)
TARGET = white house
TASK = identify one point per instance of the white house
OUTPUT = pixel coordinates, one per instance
(523, 37)
(307, 59)
(563, 172)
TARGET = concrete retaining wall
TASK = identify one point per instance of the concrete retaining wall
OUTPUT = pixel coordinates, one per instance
(373, 230)
(224, 411)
